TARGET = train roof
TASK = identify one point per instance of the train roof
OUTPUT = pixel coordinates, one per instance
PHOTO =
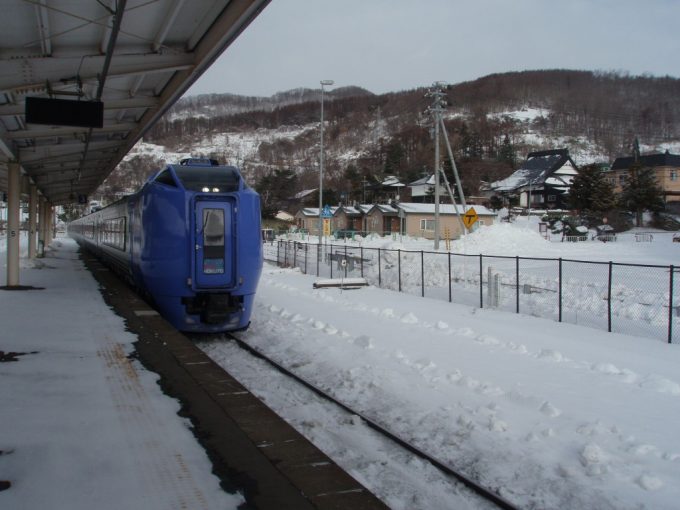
(201, 174)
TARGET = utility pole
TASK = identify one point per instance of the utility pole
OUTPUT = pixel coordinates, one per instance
(439, 102)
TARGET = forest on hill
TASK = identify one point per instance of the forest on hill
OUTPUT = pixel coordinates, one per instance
(492, 122)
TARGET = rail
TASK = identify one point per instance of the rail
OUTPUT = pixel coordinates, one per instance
(471, 484)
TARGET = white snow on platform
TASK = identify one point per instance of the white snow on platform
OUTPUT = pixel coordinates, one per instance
(82, 426)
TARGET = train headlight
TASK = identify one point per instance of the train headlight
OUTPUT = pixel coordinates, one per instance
(216, 190)
(205, 189)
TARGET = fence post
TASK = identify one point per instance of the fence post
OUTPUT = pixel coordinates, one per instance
(318, 258)
(379, 273)
(330, 261)
(422, 274)
(278, 253)
(559, 290)
(285, 254)
(670, 306)
(481, 282)
(295, 253)
(361, 253)
(609, 299)
(449, 277)
(399, 267)
(517, 286)
(346, 261)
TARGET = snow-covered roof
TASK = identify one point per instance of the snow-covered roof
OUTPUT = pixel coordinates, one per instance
(284, 216)
(314, 211)
(304, 193)
(407, 207)
(383, 208)
(392, 181)
(413, 208)
(386, 208)
(535, 170)
(558, 182)
(351, 211)
(424, 181)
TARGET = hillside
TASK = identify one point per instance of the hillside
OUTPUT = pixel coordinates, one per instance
(493, 122)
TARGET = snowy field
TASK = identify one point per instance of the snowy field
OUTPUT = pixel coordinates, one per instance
(551, 415)
(567, 279)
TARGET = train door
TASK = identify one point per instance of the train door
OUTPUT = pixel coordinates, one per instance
(214, 244)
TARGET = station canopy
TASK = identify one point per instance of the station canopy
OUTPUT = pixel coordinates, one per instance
(81, 81)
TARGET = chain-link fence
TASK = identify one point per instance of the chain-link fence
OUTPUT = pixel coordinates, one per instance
(636, 299)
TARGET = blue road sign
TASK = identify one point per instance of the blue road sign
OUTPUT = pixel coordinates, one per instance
(326, 212)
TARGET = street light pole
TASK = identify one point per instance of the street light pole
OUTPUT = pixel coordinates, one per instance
(323, 82)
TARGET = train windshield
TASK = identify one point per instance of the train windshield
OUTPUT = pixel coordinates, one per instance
(209, 179)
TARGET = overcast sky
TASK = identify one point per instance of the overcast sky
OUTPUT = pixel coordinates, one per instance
(391, 45)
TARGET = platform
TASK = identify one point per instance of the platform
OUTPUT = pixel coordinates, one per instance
(81, 424)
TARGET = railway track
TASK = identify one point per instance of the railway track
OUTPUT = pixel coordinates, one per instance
(483, 492)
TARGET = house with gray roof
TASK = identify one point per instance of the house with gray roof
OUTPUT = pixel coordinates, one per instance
(422, 190)
(382, 219)
(418, 219)
(542, 181)
(666, 167)
(414, 219)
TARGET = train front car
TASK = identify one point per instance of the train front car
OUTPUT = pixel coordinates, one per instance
(196, 245)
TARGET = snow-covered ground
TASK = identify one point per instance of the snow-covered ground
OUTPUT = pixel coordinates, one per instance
(551, 415)
(556, 279)
(82, 425)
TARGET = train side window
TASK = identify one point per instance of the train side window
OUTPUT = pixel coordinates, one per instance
(165, 177)
(114, 233)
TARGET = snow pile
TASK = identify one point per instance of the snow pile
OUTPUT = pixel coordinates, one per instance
(502, 239)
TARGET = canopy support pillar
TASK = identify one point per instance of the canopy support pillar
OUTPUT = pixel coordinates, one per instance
(32, 221)
(13, 222)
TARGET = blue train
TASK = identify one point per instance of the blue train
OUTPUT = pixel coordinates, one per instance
(189, 240)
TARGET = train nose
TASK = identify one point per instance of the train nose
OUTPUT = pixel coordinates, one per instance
(215, 245)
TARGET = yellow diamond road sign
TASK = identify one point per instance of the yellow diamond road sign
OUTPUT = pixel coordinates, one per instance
(470, 217)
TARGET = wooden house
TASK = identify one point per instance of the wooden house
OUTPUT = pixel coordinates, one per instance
(381, 219)
(418, 219)
(307, 219)
(666, 168)
(542, 181)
